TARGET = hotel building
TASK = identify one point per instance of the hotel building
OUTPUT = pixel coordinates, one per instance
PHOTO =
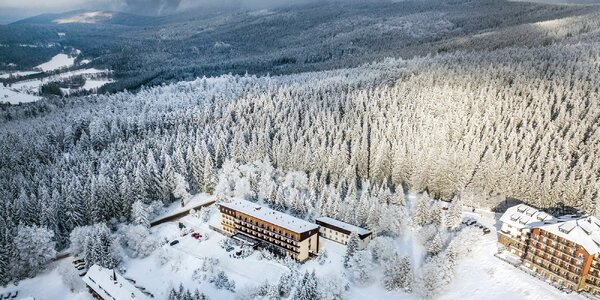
(280, 232)
(517, 223)
(564, 250)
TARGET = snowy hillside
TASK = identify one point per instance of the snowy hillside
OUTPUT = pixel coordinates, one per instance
(57, 62)
(191, 263)
(417, 122)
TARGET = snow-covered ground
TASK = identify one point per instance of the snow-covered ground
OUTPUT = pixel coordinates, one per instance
(26, 89)
(175, 207)
(17, 74)
(482, 276)
(9, 96)
(91, 84)
(57, 62)
(47, 285)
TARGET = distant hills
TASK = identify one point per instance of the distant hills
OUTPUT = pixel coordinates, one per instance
(88, 17)
(152, 50)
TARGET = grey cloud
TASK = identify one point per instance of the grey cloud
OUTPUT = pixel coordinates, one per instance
(147, 7)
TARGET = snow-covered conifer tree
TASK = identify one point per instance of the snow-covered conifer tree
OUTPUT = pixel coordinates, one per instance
(140, 214)
(34, 248)
(397, 273)
(351, 247)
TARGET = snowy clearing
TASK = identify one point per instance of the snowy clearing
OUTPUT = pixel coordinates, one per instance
(9, 96)
(17, 74)
(59, 61)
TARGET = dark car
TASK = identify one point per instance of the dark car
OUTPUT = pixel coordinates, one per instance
(173, 243)
(486, 230)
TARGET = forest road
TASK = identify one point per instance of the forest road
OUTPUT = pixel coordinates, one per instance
(179, 215)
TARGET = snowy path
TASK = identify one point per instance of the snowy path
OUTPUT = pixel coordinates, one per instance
(177, 213)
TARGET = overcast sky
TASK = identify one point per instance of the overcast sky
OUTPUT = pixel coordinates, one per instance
(12, 10)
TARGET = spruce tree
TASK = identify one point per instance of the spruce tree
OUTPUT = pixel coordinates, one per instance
(352, 246)
(421, 216)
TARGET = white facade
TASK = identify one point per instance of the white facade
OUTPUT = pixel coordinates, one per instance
(339, 231)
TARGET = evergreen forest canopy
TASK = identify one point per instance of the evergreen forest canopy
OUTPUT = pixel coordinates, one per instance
(515, 116)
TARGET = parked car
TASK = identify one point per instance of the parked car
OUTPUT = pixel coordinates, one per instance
(486, 230)
(78, 261)
(81, 268)
(174, 242)
(471, 222)
(82, 273)
(130, 280)
(196, 235)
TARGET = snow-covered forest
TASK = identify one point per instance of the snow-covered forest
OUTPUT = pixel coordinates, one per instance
(514, 122)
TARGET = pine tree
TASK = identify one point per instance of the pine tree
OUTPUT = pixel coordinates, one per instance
(139, 188)
(125, 193)
(167, 185)
(362, 212)
(196, 158)
(352, 246)
(398, 198)
(454, 216)
(140, 214)
(307, 289)
(210, 175)
(75, 212)
(151, 177)
(181, 187)
(435, 216)
(397, 273)
(421, 216)
(435, 246)
(34, 248)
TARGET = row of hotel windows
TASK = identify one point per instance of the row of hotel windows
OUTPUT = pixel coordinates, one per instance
(269, 239)
(230, 222)
(279, 237)
(261, 225)
(562, 248)
(335, 238)
(554, 238)
(576, 269)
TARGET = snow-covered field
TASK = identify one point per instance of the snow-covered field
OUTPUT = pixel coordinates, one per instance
(17, 74)
(59, 61)
(482, 276)
(92, 84)
(9, 96)
(26, 90)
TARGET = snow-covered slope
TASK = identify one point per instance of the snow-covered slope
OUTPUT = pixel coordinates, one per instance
(57, 62)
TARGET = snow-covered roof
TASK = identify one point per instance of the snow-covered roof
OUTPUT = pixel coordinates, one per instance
(343, 225)
(524, 216)
(101, 281)
(584, 231)
(270, 215)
